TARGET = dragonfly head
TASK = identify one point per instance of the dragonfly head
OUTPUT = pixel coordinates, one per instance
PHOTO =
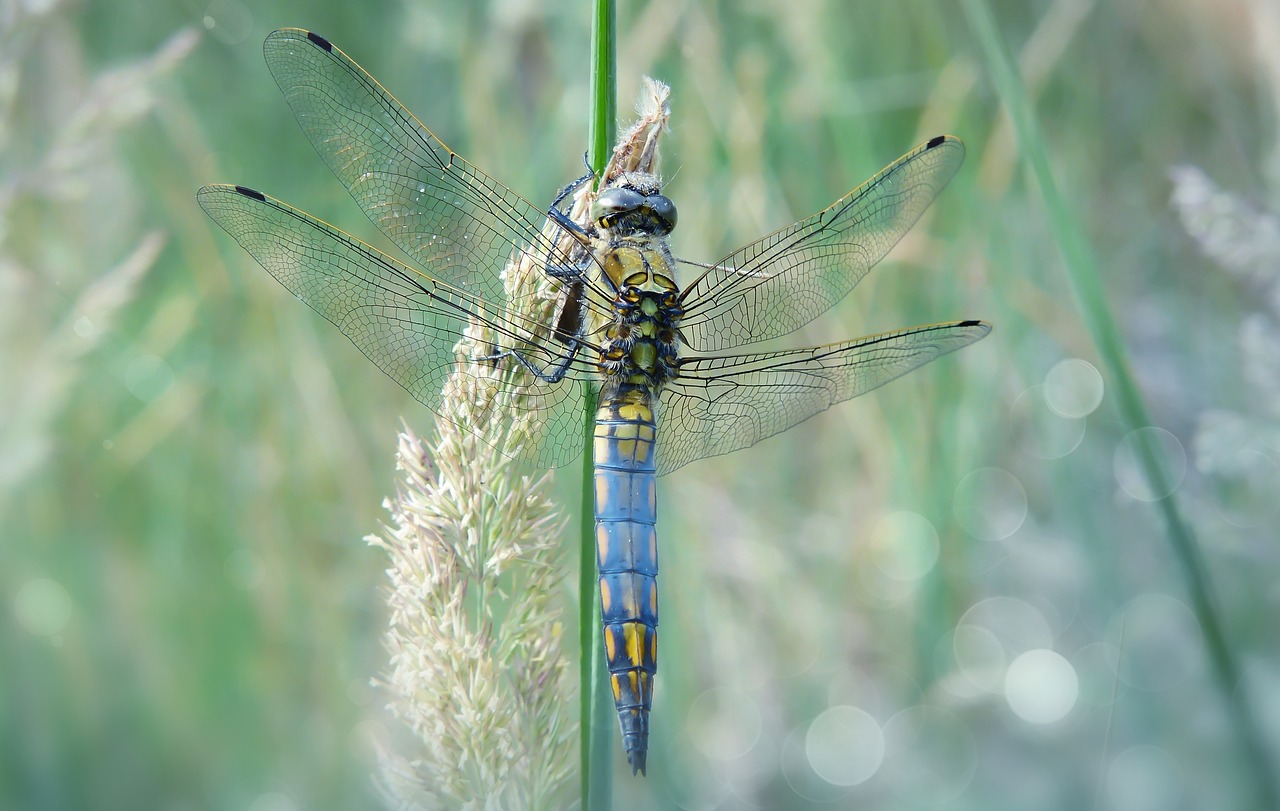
(634, 208)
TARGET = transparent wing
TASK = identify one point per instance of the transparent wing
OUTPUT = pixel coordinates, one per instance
(718, 404)
(404, 321)
(782, 282)
(456, 221)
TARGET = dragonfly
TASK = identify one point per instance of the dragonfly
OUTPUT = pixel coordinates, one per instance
(654, 352)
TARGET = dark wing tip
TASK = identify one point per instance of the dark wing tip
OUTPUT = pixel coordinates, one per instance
(251, 193)
(319, 41)
(637, 759)
(936, 140)
(979, 329)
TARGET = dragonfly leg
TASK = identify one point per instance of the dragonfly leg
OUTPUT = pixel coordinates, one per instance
(574, 184)
(564, 222)
(558, 372)
(559, 216)
(555, 375)
(560, 271)
(566, 273)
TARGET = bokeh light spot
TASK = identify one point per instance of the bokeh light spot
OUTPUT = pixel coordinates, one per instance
(83, 326)
(42, 606)
(1041, 687)
(1045, 434)
(1073, 388)
(228, 21)
(1129, 469)
(904, 545)
(1016, 624)
(797, 770)
(979, 655)
(844, 745)
(990, 504)
(273, 801)
(147, 377)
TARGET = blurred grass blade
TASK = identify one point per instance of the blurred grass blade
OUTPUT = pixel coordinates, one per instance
(29, 409)
(1086, 285)
(598, 726)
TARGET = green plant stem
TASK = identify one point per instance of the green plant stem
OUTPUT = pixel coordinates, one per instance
(1086, 286)
(598, 724)
(604, 85)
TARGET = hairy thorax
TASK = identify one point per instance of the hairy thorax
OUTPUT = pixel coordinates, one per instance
(641, 340)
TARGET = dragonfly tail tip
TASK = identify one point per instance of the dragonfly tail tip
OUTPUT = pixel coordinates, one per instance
(637, 759)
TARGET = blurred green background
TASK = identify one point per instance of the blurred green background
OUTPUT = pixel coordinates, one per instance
(953, 592)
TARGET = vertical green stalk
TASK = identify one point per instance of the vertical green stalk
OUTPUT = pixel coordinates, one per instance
(604, 85)
(1086, 285)
(599, 729)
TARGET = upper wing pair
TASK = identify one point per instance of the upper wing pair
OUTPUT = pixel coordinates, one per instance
(464, 228)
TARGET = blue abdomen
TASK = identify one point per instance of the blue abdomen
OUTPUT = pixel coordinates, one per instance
(627, 558)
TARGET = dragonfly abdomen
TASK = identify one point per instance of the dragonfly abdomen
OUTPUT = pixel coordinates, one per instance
(627, 556)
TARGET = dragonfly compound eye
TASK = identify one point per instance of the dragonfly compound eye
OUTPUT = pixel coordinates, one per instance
(613, 203)
(663, 210)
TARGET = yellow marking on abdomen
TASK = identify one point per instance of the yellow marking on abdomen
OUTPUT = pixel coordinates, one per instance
(627, 430)
(635, 633)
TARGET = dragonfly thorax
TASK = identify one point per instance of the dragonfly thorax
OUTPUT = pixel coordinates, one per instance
(632, 219)
(641, 338)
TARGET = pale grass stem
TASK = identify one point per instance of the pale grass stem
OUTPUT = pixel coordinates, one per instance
(476, 668)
